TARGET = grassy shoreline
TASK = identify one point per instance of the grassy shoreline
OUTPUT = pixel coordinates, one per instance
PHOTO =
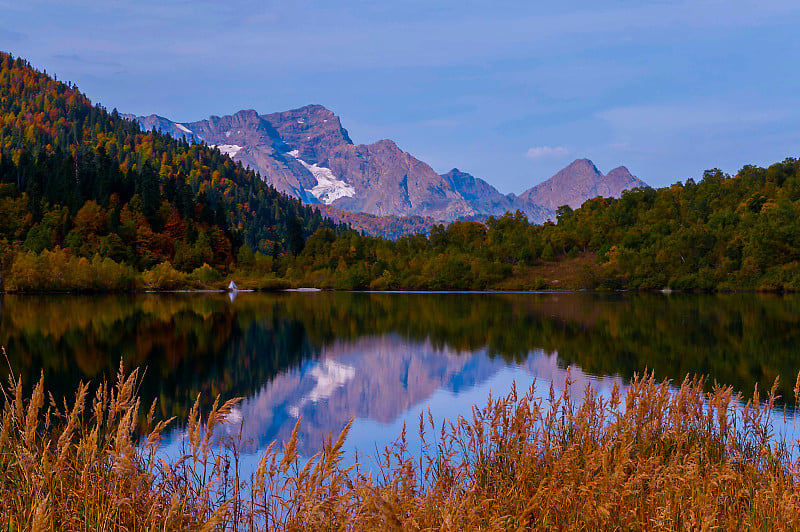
(654, 456)
(59, 272)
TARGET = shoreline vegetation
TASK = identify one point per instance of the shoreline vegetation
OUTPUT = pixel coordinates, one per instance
(58, 271)
(653, 456)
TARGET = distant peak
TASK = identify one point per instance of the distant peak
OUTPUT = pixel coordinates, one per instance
(246, 112)
(578, 167)
(620, 170)
(456, 172)
(622, 174)
(315, 107)
(385, 143)
(583, 162)
(312, 109)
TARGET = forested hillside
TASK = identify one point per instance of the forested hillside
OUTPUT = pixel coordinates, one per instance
(723, 232)
(726, 233)
(87, 199)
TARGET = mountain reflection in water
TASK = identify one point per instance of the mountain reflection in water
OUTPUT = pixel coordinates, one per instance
(382, 383)
(384, 358)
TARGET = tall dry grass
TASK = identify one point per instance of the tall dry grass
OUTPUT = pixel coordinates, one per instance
(657, 458)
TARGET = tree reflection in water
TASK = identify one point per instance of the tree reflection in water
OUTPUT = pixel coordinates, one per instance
(329, 356)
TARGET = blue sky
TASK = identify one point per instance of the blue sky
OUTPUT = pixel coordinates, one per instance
(508, 91)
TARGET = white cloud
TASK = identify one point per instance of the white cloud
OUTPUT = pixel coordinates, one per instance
(546, 152)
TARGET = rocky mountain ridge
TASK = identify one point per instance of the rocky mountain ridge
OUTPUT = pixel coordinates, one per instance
(579, 181)
(488, 201)
(307, 153)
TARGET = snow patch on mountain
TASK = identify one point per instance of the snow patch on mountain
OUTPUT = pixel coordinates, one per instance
(183, 128)
(329, 188)
(228, 149)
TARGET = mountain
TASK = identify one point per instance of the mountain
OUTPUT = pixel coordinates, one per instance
(578, 182)
(483, 196)
(306, 153)
(486, 199)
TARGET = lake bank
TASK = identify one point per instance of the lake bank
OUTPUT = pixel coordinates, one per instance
(59, 271)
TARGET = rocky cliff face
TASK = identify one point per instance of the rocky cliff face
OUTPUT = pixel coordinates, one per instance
(617, 180)
(308, 154)
(487, 200)
(578, 182)
(390, 181)
(483, 196)
(313, 131)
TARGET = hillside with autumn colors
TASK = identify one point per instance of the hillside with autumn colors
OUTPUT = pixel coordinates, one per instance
(89, 201)
(87, 196)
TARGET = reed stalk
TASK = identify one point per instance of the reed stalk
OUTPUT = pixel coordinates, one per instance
(659, 457)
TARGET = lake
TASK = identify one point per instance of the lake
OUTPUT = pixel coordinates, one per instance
(383, 359)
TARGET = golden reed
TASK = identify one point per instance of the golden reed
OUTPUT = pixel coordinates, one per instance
(658, 458)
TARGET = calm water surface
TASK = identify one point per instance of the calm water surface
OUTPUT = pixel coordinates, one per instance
(383, 359)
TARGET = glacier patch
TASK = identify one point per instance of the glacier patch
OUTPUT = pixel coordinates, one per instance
(228, 149)
(329, 188)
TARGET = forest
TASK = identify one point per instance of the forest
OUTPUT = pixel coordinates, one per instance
(724, 232)
(89, 202)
